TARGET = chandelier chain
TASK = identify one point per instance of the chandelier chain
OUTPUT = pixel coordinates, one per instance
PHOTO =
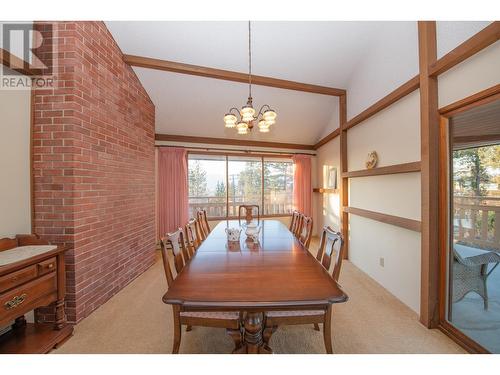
(249, 61)
(243, 120)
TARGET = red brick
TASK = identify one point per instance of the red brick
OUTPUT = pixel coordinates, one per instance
(94, 134)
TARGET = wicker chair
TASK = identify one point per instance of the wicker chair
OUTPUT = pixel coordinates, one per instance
(470, 271)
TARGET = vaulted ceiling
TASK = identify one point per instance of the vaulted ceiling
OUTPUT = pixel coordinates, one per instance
(321, 53)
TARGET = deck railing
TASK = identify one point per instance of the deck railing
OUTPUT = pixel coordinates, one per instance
(275, 204)
(477, 221)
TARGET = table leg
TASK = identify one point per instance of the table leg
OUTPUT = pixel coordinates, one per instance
(253, 339)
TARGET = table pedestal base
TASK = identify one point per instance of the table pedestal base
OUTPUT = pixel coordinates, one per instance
(253, 342)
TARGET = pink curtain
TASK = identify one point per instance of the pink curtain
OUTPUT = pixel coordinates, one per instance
(172, 189)
(302, 189)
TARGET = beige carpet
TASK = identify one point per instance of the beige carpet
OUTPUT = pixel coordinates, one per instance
(372, 321)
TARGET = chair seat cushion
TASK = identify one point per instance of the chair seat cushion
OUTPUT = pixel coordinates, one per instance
(227, 315)
(279, 314)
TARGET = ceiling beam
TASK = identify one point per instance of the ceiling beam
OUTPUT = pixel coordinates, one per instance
(327, 139)
(227, 75)
(232, 142)
(489, 35)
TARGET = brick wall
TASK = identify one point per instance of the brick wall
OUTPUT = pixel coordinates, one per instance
(93, 149)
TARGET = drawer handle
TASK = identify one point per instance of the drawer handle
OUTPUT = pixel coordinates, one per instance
(14, 302)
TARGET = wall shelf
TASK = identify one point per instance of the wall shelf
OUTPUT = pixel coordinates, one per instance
(325, 191)
(402, 222)
(391, 169)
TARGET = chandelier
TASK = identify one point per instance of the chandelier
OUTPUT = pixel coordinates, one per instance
(243, 120)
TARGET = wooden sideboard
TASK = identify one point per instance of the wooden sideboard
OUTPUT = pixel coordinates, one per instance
(32, 275)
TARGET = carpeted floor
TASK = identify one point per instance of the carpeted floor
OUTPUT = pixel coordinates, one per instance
(372, 321)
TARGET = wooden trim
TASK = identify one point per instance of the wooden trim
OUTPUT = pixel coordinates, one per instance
(391, 169)
(444, 209)
(6, 58)
(489, 35)
(429, 149)
(327, 139)
(227, 75)
(242, 153)
(477, 138)
(344, 182)
(461, 339)
(227, 141)
(398, 221)
(403, 90)
(325, 191)
(479, 98)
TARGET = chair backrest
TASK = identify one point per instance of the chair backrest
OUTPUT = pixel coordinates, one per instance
(249, 212)
(294, 221)
(193, 236)
(331, 241)
(175, 241)
(201, 215)
(305, 232)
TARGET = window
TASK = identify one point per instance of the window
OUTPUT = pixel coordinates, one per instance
(207, 185)
(220, 184)
(278, 186)
(245, 182)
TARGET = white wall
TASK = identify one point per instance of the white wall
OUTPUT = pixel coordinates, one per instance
(394, 134)
(450, 34)
(387, 64)
(15, 206)
(475, 74)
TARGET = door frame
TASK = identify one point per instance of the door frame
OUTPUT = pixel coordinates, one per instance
(476, 100)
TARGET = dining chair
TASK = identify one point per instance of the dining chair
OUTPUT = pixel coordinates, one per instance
(218, 319)
(298, 225)
(201, 215)
(294, 222)
(192, 236)
(249, 212)
(305, 231)
(331, 242)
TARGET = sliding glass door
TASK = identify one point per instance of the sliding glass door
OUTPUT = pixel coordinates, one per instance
(473, 245)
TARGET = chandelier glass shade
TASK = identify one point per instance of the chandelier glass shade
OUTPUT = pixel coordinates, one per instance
(244, 118)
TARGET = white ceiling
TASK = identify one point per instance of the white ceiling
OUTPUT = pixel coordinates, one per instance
(322, 53)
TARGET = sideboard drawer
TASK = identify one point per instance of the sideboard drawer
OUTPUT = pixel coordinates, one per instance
(36, 293)
(47, 266)
(17, 278)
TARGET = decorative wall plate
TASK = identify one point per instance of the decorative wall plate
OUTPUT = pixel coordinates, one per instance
(371, 160)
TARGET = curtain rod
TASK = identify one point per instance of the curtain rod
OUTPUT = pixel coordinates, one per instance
(237, 150)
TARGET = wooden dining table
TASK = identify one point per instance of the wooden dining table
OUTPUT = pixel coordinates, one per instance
(276, 273)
